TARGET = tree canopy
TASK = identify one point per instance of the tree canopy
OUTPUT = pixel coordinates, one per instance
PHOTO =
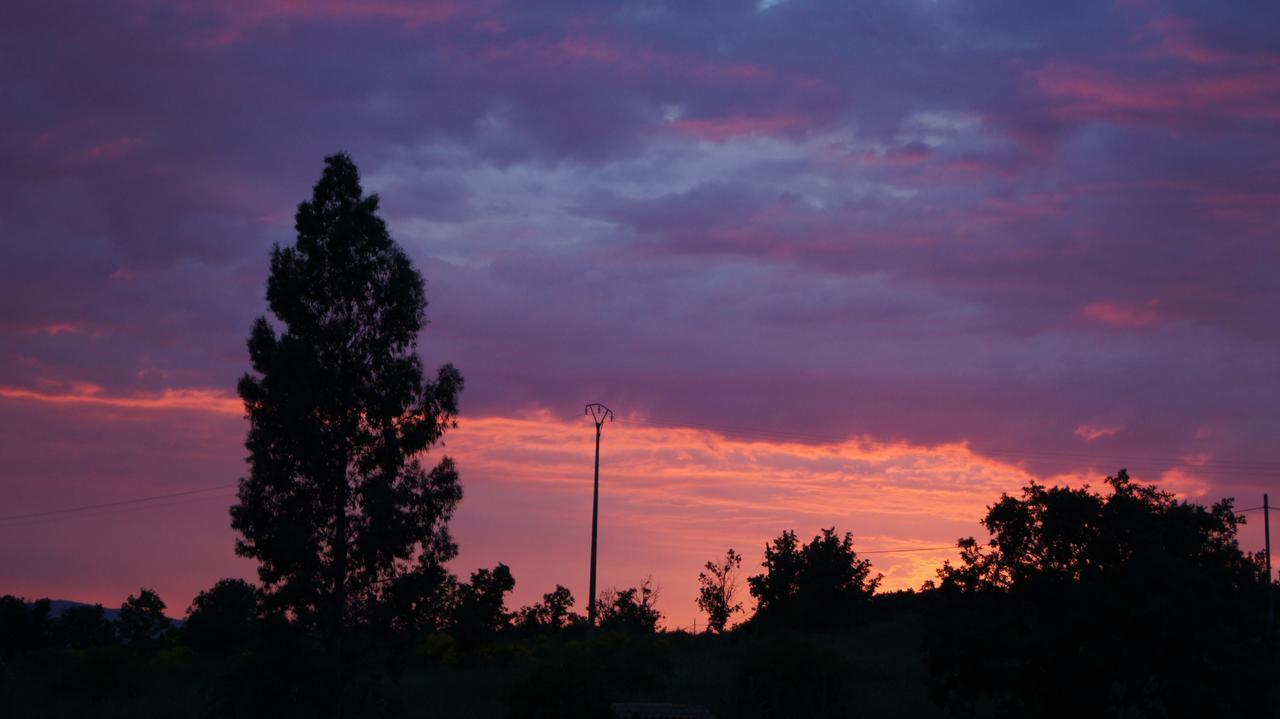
(634, 609)
(223, 617)
(142, 619)
(819, 584)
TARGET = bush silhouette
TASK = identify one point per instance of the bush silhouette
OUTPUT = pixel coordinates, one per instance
(142, 619)
(23, 627)
(818, 585)
(481, 608)
(554, 612)
(83, 627)
(224, 617)
(630, 610)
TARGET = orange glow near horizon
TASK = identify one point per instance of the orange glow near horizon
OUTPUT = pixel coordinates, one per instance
(671, 498)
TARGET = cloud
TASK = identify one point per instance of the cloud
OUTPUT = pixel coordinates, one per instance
(1122, 315)
(1089, 432)
(200, 400)
(717, 129)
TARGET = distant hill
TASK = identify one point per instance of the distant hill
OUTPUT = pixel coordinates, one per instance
(58, 606)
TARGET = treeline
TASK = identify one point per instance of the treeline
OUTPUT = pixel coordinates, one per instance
(233, 615)
(1124, 602)
(29, 626)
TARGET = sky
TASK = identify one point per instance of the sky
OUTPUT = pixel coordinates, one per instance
(863, 265)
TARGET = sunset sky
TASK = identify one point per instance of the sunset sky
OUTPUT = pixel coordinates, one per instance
(862, 264)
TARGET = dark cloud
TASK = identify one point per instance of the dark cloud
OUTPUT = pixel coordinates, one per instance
(921, 220)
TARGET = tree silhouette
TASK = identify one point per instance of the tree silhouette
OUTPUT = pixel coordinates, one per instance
(224, 617)
(424, 600)
(1091, 604)
(337, 506)
(23, 627)
(481, 609)
(820, 584)
(631, 610)
(555, 611)
(717, 588)
(142, 619)
(83, 627)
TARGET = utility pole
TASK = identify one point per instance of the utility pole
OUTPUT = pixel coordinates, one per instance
(599, 413)
(1266, 530)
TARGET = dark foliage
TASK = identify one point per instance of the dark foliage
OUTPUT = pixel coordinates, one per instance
(554, 612)
(224, 618)
(23, 627)
(630, 610)
(818, 585)
(142, 619)
(717, 589)
(285, 674)
(481, 610)
(97, 674)
(1085, 604)
(423, 600)
(83, 627)
(337, 508)
(578, 680)
(788, 677)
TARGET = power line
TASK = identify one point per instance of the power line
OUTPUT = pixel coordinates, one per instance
(120, 503)
(80, 517)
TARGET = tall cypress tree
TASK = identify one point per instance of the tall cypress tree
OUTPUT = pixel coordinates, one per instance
(338, 506)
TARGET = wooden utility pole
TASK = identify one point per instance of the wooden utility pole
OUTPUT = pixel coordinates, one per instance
(1266, 530)
(599, 413)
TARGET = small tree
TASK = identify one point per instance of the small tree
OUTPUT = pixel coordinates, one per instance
(718, 587)
(633, 609)
(555, 611)
(142, 619)
(83, 627)
(425, 599)
(481, 610)
(819, 584)
(23, 627)
(224, 617)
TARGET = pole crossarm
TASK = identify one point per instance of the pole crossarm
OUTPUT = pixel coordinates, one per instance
(599, 413)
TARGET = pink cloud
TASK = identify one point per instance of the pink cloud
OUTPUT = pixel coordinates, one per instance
(1085, 93)
(1122, 315)
(722, 128)
(1090, 432)
(54, 329)
(243, 16)
(200, 400)
(1175, 37)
